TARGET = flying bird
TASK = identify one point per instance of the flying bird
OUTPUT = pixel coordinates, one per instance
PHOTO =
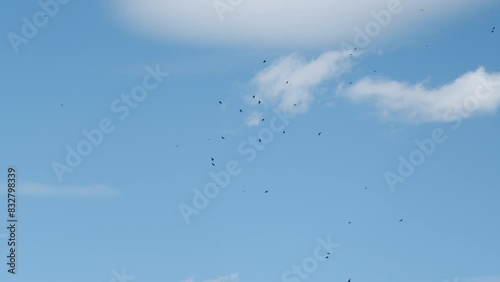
(319, 134)
(212, 159)
(253, 96)
(264, 62)
(283, 132)
(401, 220)
(349, 222)
(266, 191)
(223, 137)
(213, 164)
(62, 105)
(260, 140)
(294, 105)
(259, 101)
(241, 111)
(287, 82)
(262, 119)
(220, 102)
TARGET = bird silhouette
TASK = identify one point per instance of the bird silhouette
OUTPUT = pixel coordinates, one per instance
(326, 257)
(262, 119)
(220, 102)
(283, 132)
(259, 101)
(62, 105)
(349, 222)
(241, 111)
(319, 134)
(223, 137)
(401, 220)
(264, 62)
(266, 191)
(212, 159)
(253, 96)
(287, 82)
(260, 140)
(213, 164)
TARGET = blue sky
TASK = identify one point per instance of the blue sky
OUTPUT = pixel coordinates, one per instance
(429, 75)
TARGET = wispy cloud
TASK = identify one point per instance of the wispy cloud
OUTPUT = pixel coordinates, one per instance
(481, 279)
(91, 191)
(254, 119)
(234, 277)
(472, 93)
(303, 78)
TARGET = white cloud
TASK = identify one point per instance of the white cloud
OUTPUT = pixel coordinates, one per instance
(41, 190)
(234, 277)
(473, 93)
(278, 22)
(303, 79)
(254, 119)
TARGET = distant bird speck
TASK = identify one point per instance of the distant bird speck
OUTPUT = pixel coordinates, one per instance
(259, 101)
(266, 191)
(220, 102)
(264, 62)
(319, 134)
(241, 111)
(223, 137)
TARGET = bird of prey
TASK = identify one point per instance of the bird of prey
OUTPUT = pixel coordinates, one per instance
(220, 102)
(223, 137)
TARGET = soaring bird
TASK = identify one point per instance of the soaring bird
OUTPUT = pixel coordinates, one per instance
(266, 191)
(294, 105)
(319, 134)
(287, 82)
(253, 96)
(212, 159)
(262, 119)
(349, 222)
(401, 220)
(220, 102)
(259, 101)
(283, 132)
(223, 137)
(260, 140)
(213, 164)
(264, 62)
(241, 111)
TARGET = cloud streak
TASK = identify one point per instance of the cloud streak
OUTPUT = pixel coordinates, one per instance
(303, 78)
(91, 191)
(475, 92)
(253, 23)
